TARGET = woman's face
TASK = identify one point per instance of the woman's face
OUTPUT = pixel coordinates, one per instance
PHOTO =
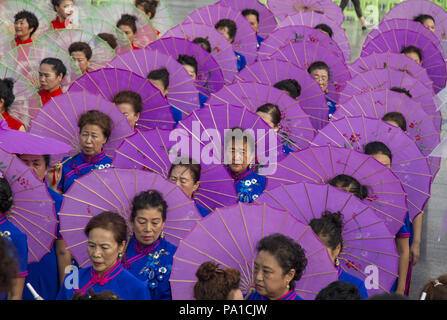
(191, 71)
(383, 159)
(148, 225)
(159, 84)
(103, 250)
(128, 111)
(37, 163)
(81, 60)
(226, 32)
(268, 119)
(253, 20)
(22, 29)
(92, 139)
(322, 77)
(65, 9)
(48, 79)
(414, 56)
(240, 157)
(268, 276)
(128, 32)
(430, 24)
(182, 176)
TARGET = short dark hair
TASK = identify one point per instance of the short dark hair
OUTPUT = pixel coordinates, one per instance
(230, 24)
(149, 199)
(422, 17)
(317, 65)
(215, 283)
(339, 290)
(109, 38)
(148, 6)
(288, 253)
(291, 86)
(185, 59)
(161, 74)
(32, 20)
(110, 221)
(98, 118)
(402, 90)
(204, 43)
(377, 147)
(92, 295)
(273, 111)
(131, 97)
(329, 228)
(412, 49)
(396, 117)
(81, 47)
(195, 168)
(128, 20)
(254, 12)
(7, 92)
(56, 3)
(344, 181)
(325, 28)
(6, 200)
(58, 65)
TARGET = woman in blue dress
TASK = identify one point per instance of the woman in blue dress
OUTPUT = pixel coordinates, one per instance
(10, 232)
(95, 129)
(130, 104)
(320, 71)
(280, 262)
(228, 28)
(329, 228)
(191, 66)
(106, 233)
(149, 255)
(252, 17)
(249, 185)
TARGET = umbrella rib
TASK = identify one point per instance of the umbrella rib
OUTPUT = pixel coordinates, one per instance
(95, 193)
(369, 263)
(375, 251)
(365, 275)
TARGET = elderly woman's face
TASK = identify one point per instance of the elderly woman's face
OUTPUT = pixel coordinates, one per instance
(182, 176)
(22, 28)
(269, 277)
(103, 250)
(148, 225)
(92, 139)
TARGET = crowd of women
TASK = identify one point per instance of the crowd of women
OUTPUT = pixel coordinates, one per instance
(112, 81)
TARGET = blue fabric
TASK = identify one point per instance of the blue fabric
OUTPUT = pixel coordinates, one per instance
(202, 210)
(286, 149)
(11, 233)
(241, 61)
(331, 105)
(260, 39)
(344, 276)
(153, 269)
(202, 99)
(291, 295)
(124, 284)
(249, 185)
(177, 114)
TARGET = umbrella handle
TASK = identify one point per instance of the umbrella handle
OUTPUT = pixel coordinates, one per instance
(33, 292)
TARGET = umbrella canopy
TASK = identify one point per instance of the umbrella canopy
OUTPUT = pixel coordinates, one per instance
(182, 93)
(58, 119)
(267, 21)
(221, 49)
(151, 150)
(366, 240)
(108, 82)
(206, 128)
(408, 163)
(329, 9)
(229, 236)
(26, 59)
(272, 71)
(113, 190)
(7, 41)
(80, 10)
(162, 21)
(388, 79)
(394, 61)
(245, 41)
(281, 36)
(32, 210)
(320, 164)
(377, 103)
(296, 129)
(97, 26)
(304, 53)
(113, 10)
(27, 101)
(63, 38)
(395, 40)
(313, 19)
(209, 75)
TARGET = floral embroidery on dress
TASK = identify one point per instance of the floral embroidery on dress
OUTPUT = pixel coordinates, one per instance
(153, 272)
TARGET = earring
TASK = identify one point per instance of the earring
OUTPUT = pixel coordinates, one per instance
(337, 262)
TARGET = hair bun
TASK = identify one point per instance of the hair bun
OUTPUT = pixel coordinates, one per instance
(335, 218)
(207, 271)
(9, 83)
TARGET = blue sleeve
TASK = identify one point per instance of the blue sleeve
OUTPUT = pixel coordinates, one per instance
(177, 114)
(406, 230)
(202, 98)
(286, 149)
(21, 245)
(60, 185)
(203, 212)
(241, 61)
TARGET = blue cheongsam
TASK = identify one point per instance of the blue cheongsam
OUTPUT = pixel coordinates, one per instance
(259, 39)
(202, 210)
(202, 99)
(176, 114)
(116, 279)
(241, 61)
(331, 106)
(344, 276)
(80, 165)
(291, 295)
(151, 265)
(249, 185)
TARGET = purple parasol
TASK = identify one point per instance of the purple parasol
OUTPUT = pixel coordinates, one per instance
(245, 41)
(267, 21)
(113, 190)
(388, 79)
(108, 82)
(367, 242)
(271, 71)
(221, 49)
(396, 39)
(377, 103)
(320, 164)
(32, 210)
(328, 9)
(206, 129)
(303, 54)
(58, 119)
(281, 36)
(394, 61)
(408, 163)
(209, 75)
(229, 236)
(182, 93)
(313, 19)
(296, 129)
(151, 150)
